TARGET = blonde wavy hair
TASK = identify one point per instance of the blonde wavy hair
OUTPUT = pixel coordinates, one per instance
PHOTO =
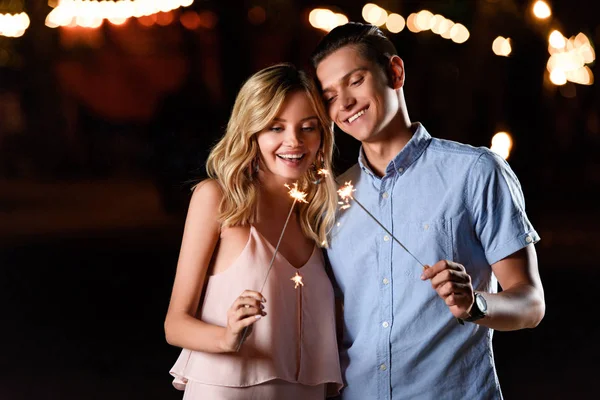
(231, 160)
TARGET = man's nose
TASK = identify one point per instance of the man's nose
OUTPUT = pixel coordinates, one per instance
(346, 102)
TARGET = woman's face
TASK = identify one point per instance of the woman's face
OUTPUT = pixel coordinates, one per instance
(288, 145)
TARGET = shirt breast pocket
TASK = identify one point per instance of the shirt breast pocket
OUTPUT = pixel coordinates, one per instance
(428, 241)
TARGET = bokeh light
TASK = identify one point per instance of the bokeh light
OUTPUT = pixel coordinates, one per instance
(325, 19)
(257, 15)
(91, 13)
(502, 144)
(501, 46)
(541, 10)
(568, 59)
(14, 25)
(395, 23)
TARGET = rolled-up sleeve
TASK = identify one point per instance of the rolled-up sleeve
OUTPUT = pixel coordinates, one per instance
(497, 205)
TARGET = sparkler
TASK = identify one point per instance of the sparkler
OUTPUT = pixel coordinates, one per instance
(345, 194)
(323, 173)
(298, 196)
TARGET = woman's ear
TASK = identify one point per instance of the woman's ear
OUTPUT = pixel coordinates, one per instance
(396, 71)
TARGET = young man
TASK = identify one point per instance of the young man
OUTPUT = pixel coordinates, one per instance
(443, 201)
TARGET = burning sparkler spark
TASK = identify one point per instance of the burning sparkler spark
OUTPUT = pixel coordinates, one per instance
(346, 191)
(296, 194)
(322, 174)
(297, 280)
(345, 194)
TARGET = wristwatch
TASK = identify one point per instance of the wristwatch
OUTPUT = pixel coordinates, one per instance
(479, 309)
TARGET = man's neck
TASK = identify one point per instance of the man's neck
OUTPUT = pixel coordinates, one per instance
(379, 153)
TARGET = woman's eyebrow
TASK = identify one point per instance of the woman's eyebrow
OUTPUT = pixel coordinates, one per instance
(277, 119)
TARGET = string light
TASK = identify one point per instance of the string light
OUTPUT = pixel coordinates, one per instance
(325, 19)
(91, 13)
(14, 25)
(395, 23)
(568, 59)
(421, 21)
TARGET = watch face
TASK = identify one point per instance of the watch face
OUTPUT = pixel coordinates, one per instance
(481, 304)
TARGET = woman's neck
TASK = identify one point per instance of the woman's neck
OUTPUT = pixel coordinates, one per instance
(273, 190)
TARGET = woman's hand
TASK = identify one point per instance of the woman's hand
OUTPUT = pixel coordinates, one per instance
(244, 312)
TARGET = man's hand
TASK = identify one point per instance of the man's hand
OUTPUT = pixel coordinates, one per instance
(453, 285)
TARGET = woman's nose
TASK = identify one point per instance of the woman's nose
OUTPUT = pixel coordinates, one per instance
(293, 137)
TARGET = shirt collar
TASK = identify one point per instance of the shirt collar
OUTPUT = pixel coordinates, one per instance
(408, 155)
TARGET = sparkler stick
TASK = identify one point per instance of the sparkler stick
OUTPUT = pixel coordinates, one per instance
(298, 196)
(345, 194)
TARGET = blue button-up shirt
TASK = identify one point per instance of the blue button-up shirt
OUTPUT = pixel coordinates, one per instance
(441, 200)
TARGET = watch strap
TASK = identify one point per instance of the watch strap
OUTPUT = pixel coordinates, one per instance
(476, 312)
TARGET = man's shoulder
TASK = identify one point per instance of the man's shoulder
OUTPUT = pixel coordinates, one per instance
(350, 174)
(480, 161)
(466, 153)
(452, 146)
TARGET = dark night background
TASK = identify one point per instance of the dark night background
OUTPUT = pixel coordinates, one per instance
(102, 132)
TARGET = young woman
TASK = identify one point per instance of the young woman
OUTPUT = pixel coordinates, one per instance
(278, 135)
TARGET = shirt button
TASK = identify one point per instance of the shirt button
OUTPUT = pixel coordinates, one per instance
(386, 238)
(529, 239)
(385, 195)
(401, 170)
(386, 281)
(382, 367)
(385, 324)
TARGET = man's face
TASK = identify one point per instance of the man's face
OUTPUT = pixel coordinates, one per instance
(358, 97)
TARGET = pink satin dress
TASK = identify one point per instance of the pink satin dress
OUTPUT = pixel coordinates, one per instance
(292, 351)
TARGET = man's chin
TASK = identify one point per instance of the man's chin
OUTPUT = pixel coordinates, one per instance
(361, 136)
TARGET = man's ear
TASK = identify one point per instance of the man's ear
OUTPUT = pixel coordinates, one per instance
(396, 71)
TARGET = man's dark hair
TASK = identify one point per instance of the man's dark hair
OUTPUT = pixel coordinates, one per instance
(369, 40)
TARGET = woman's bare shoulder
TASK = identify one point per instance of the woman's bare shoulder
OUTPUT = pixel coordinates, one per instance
(205, 203)
(208, 192)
